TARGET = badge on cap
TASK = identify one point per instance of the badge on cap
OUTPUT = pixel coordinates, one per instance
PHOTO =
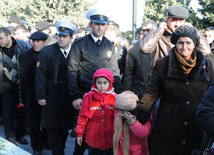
(101, 17)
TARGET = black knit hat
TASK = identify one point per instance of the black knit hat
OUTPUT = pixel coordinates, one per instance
(185, 31)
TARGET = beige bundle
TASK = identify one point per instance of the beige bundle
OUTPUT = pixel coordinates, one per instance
(125, 101)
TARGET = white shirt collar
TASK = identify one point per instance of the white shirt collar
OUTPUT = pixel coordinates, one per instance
(95, 38)
(67, 51)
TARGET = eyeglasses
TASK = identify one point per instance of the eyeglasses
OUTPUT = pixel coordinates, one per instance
(148, 30)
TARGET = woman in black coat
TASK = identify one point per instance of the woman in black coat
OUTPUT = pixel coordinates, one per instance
(180, 80)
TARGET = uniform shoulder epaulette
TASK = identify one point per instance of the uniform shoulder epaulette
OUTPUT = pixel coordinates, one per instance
(79, 39)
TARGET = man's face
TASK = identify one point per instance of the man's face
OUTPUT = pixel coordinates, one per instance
(98, 29)
(38, 44)
(64, 41)
(209, 35)
(5, 41)
(19, 34)
(146, 29)
(173, 23)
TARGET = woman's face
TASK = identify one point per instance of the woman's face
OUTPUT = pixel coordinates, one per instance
(185, 47)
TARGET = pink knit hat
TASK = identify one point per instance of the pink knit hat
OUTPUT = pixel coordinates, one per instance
(102, 72)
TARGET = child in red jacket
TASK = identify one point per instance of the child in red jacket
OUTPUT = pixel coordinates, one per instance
(96, 115)
(130, 137)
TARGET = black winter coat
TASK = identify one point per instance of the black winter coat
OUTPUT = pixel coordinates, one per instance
(176, 131)
(85, 59)
(137, 69)
(27, 71)
(51, 83)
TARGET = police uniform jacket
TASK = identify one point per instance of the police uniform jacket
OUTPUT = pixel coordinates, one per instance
(51, 84)
(176, 131)
(85, 59)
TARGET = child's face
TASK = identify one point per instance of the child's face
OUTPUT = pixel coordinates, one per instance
(102, 84)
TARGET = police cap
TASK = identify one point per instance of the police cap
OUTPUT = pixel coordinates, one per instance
(97, 16)
(65, 28)
(38, 35)
(178, 12)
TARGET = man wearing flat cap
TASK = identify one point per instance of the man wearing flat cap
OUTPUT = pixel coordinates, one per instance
(159, 41)
(51, 86)
(27, 79)
(90, 53)
(44, 26)
(14, 20)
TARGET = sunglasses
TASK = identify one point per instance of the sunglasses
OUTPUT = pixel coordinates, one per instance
(148, 30)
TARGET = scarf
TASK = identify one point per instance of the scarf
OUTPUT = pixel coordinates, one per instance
(96, 95)
(119, 124)
(186, 65)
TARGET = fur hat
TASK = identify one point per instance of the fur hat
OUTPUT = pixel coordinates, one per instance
(185, 31)
(126, 100)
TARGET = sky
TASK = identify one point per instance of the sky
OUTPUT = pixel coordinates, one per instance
(121, 11)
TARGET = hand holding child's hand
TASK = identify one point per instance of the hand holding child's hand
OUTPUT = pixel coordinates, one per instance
(131, 119)
(79, 141)
(77, 103)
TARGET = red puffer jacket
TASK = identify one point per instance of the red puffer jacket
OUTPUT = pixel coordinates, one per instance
(100, 117)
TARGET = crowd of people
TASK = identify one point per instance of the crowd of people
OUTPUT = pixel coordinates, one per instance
(140, 99)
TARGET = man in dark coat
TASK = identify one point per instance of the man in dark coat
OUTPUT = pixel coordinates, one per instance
(51, 86)
(27, 79)
(209, 35)
(88, 54)
(138, 64)
(13, 110)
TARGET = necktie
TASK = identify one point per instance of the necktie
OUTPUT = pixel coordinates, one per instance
(65, 53)
(98, 42)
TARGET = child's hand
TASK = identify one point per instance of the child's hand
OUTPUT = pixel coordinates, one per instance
(131, 119)
(79, 141)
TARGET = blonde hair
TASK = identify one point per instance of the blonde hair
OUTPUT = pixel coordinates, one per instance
(119, 123)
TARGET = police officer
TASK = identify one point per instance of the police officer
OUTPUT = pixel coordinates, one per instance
(27, 79)
(90, 53)
(51, 85)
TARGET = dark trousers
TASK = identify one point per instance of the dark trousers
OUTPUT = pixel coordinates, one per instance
(14, 119)
(34, 116)
(94, 151)
(57, 140)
